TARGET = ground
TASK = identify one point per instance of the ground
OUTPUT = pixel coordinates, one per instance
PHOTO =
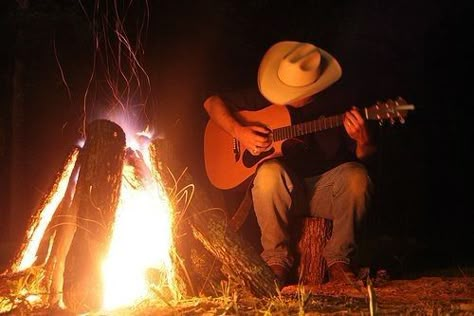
(434, 292)
(422, 296)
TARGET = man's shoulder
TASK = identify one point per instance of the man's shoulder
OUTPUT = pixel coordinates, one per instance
(245, 98)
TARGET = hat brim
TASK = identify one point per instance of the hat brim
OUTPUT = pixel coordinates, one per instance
(274, 90)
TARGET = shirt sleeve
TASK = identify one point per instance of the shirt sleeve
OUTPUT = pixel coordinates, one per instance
(245, 99)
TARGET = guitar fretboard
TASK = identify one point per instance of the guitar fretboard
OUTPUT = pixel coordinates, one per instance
(301, 129)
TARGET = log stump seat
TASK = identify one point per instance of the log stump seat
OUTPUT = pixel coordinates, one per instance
(310, 235)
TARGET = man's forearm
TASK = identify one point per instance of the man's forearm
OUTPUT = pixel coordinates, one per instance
(221, 115)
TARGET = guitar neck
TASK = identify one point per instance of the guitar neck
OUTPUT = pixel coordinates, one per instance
(313, 126)
(381, 111)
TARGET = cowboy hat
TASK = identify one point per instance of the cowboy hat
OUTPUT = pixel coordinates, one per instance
(291, 71)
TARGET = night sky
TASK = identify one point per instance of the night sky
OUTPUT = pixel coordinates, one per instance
(413, 49)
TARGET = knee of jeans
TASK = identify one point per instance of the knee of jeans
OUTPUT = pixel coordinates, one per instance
(270, 175)
(355, 179)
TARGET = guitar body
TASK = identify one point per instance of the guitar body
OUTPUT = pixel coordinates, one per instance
(227, 166)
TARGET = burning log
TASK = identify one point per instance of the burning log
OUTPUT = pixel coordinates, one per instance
(25, 281)
(82, 240)
(210, 226)
(33, 240)
(66, 256)
(194, 263)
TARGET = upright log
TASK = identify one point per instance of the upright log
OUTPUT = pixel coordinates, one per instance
(95, 202)
(34, 229)
(210, 226)
(310, 235)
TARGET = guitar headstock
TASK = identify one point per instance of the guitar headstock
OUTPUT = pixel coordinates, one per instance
(392, 110)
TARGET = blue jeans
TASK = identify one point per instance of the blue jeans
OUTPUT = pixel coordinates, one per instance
(341, 194)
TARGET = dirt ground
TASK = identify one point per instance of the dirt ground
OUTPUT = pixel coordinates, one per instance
(445, 292)
(422, 296)
(425, 296)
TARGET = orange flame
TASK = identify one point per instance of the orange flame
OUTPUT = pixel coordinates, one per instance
(142, 240)
(43, 217)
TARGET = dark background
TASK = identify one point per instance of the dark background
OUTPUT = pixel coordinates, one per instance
(416, 49)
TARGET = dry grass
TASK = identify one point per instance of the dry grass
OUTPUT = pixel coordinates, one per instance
(429, 295)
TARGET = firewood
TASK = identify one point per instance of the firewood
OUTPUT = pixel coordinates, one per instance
(35, 219)
(95, 202)
(239, 259)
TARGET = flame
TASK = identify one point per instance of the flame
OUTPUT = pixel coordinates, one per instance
(141, 241)
(138, 264)
(44, 215)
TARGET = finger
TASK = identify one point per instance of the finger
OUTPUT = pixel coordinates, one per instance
(348, 126)
(357, 116)
(260, 139)
(349, 119)
(264, 140)
(265, 144)
(353, 121)
(260, 129)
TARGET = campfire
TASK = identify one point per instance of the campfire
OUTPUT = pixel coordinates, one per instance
(103, 235)
(108, 236)
(124, 222)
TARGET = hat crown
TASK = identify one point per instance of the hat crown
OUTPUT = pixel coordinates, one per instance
(301, 66)
(290, 71)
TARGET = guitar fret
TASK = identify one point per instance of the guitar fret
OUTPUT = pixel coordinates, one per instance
(304, 128)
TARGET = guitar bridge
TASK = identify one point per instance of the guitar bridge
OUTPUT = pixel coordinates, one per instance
(236, 149)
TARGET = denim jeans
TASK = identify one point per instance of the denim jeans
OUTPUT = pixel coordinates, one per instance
(341, 194)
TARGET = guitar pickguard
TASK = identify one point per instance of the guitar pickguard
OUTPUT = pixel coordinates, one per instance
(249, 160)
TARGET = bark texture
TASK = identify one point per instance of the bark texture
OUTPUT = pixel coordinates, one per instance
(237, 258)
(311, 235)
(95, 202)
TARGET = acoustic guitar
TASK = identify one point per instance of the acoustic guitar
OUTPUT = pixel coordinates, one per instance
(228, 164)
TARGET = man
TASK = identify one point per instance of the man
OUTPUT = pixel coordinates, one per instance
(323, 169)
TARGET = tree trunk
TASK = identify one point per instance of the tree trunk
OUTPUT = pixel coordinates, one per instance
(311, 235)
(210, 226)
(95, 202)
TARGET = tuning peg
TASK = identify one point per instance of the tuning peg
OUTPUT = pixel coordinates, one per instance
(381, 123)
(401, 119)
(392, 121)
(401, 101)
